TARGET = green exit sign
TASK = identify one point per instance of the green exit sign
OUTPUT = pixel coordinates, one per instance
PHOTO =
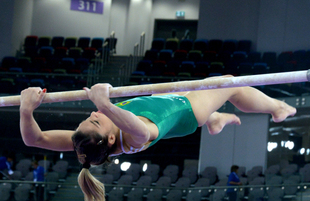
(180, 14)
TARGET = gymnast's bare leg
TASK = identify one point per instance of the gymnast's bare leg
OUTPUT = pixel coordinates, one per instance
(246, 99)
(216, 121)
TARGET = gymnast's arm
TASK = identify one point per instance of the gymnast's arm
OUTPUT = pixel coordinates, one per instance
(56, 140)
(123, 119)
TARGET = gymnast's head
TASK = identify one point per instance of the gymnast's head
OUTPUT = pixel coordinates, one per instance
(93, 142)
(94, 138)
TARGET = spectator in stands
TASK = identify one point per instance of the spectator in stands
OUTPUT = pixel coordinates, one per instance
(233, 180)
(38, 176)
(6, 164)
(134, 125)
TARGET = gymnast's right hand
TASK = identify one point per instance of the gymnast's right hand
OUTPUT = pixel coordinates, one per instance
(31, 98)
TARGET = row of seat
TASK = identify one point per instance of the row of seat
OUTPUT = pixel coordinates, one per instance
(274, 177)
(68, 42)
(216, 45)
(272, 59)
(45, 65)
(14, 85)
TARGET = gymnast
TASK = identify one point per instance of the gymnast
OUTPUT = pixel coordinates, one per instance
(134, 125)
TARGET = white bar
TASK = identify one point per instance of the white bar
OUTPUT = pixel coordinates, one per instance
(205, 84)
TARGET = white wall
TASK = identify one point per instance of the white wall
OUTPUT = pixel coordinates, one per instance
(279, 25)
(6, 21)
(54, 18)
(130, 18)
(22, 21)
(225, 19)
(283, 25)
(163, 9)
(244, 145)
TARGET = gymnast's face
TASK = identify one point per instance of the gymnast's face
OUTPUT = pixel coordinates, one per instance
(96, 122)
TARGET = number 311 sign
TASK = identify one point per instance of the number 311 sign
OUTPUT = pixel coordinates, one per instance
(87, 6)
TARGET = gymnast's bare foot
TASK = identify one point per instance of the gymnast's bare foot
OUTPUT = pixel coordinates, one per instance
(217, 121)
(283, 111)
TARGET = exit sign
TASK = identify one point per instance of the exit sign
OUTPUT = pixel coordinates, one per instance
(180, 14)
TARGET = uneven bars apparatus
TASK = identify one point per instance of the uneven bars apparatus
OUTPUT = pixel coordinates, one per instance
(195, 85)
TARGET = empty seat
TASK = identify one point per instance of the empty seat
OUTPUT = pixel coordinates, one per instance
(115, 170)
(260, 68)
(194, 195)
(116, 194)
(209, 56)
(216, 67)
(52, 177)
(8, 62)
(89, 53)
(239, 57)
(254, 57)
(154, 195)
(61, 167)
(290, 187)
(257, 181)
(210, 173)
(184, 183)
(201, 69)
(125, 180)
(203, 182)
(164, 181)
(46, 52)
(97, 43)
(218, 195)
(136, 194)
(44, 41)
(106, 179)
(70, 42)
(158, 44)
(151, 55)
(5, 191)
(186, 67)
(186, 44)
(144, 181)
(191, 172)
(201, 45)
(57, 41)
(174, 195)
(134, 170)
(165, 55)
(152, 171)
(172, 44)
(24, 166)
(244, 45)
(270, 58)
(75, 52)
(256, 194)
(229, 45)
(30, 41)
(17, 175)
(272, 170)
(194, 55)
(83, 42)
(60, 52)
(215, 45)
(22, 192)
(180, 55)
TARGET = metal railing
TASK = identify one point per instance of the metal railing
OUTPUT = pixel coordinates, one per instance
(296, 191)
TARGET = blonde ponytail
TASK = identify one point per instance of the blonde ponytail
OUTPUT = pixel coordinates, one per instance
(92, 188)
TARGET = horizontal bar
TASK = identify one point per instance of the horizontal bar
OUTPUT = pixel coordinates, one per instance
(169, 87)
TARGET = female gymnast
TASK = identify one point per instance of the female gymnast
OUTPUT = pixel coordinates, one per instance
(136, 124)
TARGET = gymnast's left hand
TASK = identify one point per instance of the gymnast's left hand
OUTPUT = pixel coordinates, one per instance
(99, 95)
